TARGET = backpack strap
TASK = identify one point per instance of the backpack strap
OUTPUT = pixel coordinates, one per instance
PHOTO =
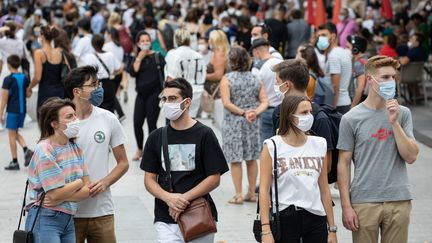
(103, 64)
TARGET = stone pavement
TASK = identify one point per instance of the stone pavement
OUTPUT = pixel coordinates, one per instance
(134, 205)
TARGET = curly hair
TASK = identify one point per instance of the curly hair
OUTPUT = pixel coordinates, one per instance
(239, 59)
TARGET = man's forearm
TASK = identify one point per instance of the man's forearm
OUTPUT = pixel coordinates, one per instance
(155, 189)
(119, 170)
(344, 182)
(407, 147)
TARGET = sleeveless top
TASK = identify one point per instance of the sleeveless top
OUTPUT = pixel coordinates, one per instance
(50, 84)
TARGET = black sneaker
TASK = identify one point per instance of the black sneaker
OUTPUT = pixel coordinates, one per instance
(27, 157)
(12, 166)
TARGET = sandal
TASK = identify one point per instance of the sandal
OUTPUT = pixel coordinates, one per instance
(238, 199)
(250, 197)
(137, 156)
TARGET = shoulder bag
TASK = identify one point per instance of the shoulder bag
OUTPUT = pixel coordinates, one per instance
(208, 100)
(196, 220)
(22, 236)
(274, 217)
(111, 75)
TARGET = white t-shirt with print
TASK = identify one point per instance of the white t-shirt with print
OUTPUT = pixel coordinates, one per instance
(298, 171)
(108, 58)
(98, 133)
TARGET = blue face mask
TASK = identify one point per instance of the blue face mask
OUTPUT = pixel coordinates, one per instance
(96, 96)
(387, 89)
(323, 43)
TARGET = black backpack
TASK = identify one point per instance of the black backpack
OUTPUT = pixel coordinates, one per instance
(335, 118)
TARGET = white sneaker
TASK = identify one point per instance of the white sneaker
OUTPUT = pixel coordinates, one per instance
(333, 191)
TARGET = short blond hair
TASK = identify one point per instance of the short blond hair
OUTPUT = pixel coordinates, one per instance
(182, 37)
(218, 40)
(380, 61)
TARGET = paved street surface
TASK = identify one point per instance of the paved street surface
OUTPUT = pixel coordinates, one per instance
(134, 205)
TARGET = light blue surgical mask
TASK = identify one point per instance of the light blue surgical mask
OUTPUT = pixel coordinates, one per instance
(323, 43)
(96, 96)
(387, 89)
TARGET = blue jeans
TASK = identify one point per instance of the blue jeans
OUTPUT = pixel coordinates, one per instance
(267, 130)
(51, 226)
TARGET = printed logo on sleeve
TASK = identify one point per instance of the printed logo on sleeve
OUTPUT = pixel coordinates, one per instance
(99, 137)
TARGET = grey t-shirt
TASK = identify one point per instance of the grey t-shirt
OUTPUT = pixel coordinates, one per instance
(339, 62)
(380, 173)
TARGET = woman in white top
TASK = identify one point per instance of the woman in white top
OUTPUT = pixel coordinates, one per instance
(10, 45)
(305, 204)
(112, 44)
(108, 68)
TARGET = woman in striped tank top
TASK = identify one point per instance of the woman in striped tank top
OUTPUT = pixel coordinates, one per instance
(57, 170)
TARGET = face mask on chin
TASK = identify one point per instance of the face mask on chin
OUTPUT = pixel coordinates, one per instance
(173, 111)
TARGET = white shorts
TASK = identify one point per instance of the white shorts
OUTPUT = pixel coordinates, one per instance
(170, 233)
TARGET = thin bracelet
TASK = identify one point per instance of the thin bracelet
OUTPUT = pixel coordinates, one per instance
(266, 233)
(265, 224)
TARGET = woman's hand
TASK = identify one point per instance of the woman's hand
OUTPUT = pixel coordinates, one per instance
(331, 238)
(267, 238)
(142, 54)
(250, 115)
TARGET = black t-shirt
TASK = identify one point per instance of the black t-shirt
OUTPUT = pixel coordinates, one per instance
(321, 127)
(147, 77)
(195, 154)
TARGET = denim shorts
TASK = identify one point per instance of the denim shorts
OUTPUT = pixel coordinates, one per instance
(51, 226)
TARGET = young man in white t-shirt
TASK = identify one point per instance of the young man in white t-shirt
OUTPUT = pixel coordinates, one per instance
(184, 62)
(100, 132)
(260, 50)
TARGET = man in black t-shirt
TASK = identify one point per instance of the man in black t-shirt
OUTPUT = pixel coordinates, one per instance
(292, 77)
(197, 162)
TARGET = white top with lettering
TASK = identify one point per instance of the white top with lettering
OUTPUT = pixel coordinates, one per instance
(298, 171)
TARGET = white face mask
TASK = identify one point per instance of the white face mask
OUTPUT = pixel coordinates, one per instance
(279, 93)
(252, 39)
(72, 129)
(305, 122)
(144, 47)
(202, 47)
(172, 111)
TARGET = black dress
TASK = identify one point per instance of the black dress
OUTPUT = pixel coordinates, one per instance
(50, 84)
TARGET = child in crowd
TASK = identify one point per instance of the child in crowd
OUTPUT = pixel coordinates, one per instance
(13, 98)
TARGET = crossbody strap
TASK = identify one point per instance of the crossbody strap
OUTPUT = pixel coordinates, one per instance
(276, 187)
(167, 160)
(103, 64)
(24, 204)
(275, 173)
(158, 62)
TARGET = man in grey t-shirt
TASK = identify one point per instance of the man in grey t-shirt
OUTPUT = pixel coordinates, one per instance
(338, 67)
(377, 135)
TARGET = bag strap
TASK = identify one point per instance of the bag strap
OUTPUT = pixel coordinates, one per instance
(167, 160)
(215, 91)
(276, 186)
(159, 67)
(275, 170)
(24, 204)
(103, 64)
(65, 60)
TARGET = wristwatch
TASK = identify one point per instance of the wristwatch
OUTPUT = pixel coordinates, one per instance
(332, 229)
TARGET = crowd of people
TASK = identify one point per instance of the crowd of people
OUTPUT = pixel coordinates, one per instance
(303, 96)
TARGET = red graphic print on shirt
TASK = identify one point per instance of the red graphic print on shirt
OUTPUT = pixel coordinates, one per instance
(382, 134)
